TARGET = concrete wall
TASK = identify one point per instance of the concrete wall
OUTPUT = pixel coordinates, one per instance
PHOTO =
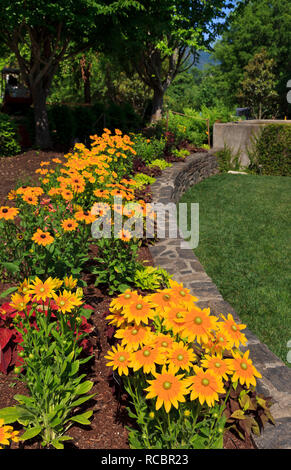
(238, 136)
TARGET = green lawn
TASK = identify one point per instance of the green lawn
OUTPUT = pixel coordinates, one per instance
(245, 239)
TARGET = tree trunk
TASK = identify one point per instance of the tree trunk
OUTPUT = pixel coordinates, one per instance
(157, 107)
(86, 77)
(42, 132)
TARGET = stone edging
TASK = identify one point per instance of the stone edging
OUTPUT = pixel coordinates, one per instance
(186, 268)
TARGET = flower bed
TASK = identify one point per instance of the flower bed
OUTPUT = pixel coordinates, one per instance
(179, 366)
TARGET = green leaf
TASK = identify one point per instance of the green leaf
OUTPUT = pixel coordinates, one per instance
(83, 388)
(82, 418)
(57, 444)
(11, 267)
(81, 400)
(31, 432)
(7, 292)
(9, 414)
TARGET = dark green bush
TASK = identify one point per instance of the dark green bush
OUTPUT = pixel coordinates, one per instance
(271, 153)
(8, 137)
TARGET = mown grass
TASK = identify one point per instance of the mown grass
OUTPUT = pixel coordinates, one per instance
(245, 239)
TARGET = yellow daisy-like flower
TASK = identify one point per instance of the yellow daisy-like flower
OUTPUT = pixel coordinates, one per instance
(174, 318)
(120, 359)
(133, 336)
(146, 358)
(85, 216)
(181, 293)
(168, 388)
(69, 225)
(7, 434)
(69, 282)
(181, 357)
(19, 302)
(41, 290)
(67, 301)
(205, 385)
(243, 369)
(217, 364)
(138, 311)
(161, 299)
(163, 341)
(116, 318)
(23, 288)
(233, 330)
(126, 298)
(8, 213)
(42, 238)
(198, 325)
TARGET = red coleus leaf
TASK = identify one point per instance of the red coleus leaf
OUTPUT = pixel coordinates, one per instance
(5, 335)
(5, 359)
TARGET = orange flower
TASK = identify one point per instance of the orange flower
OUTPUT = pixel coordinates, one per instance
(138, 311)
(124, 235)
(41, 290)
(69, 225)
(133, 336)
(147, 358)
(67, 301)
(19, 302)
(128, 297)
(161, 299)
(42, 238)
(217, 364)
(120, 359)
(102, 193)
(205, 386)
(243, 369)
(8, 213)
(181, 293)
(85, 216)
(233, 330)
(30, 198)
(67, 194)
(181, 357)
(163, 341)
(116, 318)
(169, 389)
(198, 325)
(174, 318)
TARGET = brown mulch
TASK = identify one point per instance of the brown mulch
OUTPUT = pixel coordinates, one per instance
(107, 429)
(21, 168)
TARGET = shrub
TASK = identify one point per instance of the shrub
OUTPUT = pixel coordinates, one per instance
(227, 160)
(8, 137)
(148, 149)
(271, 152)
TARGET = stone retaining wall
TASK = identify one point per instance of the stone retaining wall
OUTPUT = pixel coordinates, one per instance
(186, 268)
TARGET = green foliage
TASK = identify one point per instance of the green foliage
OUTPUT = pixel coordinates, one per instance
(148, 149)
(192, 426)
(8, 137)
(192, 126)
(150, 278)
(116, 266)
(51, 372)
(254, 25)
(258, 86)
(143, 180)
(162, 164)
(271, 152)
(247, 412)
(227, 160)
